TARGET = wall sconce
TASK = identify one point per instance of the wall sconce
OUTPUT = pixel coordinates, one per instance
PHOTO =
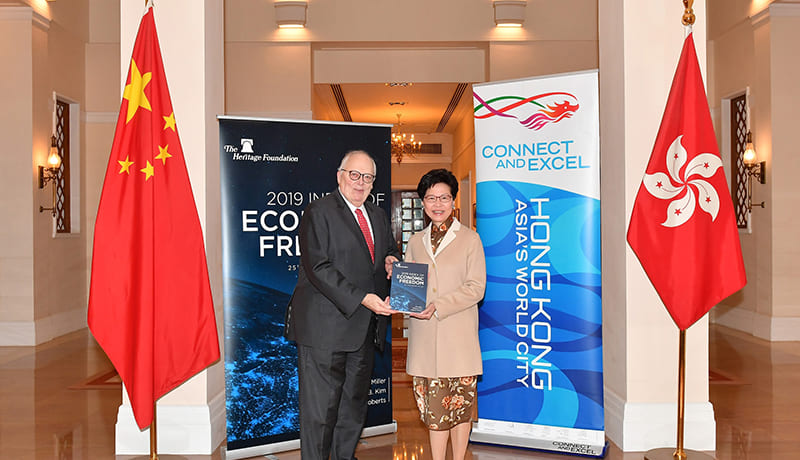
(49, 173)
(509, 13)
(753, 169)
(291, 14)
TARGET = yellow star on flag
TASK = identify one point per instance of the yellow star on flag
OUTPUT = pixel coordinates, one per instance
(163, 154)
(124, 165)
(148, 171)
(134, 92)
(169, 122)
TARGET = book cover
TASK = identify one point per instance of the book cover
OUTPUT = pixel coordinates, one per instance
(409, 287)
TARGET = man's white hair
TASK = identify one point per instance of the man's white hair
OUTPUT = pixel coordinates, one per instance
(358, 152)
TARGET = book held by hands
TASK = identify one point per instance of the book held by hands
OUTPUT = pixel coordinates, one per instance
(409, 287)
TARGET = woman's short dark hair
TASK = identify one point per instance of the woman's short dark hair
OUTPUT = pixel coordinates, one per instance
(437, 176)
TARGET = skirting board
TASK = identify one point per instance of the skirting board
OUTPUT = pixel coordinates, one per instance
(772, 328)
(556, 439)
(17, 333)
(639, 427)
(31, 333)
(185, 429)
(295, 443)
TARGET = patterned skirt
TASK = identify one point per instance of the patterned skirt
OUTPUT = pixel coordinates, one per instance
(445, 402)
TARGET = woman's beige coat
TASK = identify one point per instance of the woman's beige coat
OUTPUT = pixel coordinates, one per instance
(446, 345)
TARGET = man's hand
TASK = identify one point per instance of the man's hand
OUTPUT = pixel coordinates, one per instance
(387, 263)
(380, 307)
(425, 314)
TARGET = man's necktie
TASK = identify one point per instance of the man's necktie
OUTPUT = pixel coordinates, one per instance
(362, 222)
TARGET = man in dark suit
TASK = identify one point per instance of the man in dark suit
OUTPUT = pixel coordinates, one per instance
(338, 305)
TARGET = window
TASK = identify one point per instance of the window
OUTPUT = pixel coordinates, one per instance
(62, 184)
(408, 217)
(738, 124)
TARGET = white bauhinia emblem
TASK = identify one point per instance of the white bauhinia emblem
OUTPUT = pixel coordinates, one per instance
(698, 190)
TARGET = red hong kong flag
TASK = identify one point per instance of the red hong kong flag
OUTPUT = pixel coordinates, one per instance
(682, 227)
(150, 304)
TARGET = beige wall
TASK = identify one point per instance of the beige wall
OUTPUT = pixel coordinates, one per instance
(731, 42)
(785, 71)
(761, 113)
(60, 268)
(267, 78)
(464, 148)
(519, 60)
(754, 48)
(46, 51)
(410, 21)
(17, 180)
(103, 95)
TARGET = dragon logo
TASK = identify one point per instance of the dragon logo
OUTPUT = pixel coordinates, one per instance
(533, 112)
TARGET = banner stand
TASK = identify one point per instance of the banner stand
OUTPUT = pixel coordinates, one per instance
(270, 170)
(537, 161)
(295, 443)
(540, 437)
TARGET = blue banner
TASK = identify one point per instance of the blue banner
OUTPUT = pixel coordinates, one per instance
(538, 214)
(270, 170)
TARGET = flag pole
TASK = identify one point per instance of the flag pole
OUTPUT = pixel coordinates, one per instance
(679, 453)
(153, 435)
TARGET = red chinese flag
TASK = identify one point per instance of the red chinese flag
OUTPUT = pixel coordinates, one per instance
(682, 227)
(150, 304)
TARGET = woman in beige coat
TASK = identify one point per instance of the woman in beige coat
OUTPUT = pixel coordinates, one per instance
(444, 355)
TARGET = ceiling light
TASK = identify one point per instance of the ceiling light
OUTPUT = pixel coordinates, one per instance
(402, 144)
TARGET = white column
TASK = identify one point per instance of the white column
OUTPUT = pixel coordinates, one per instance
(190, 419)
(778, 123)
(18, 187)
(639, 44)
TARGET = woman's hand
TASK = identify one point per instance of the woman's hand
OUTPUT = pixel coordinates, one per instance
(425, 314)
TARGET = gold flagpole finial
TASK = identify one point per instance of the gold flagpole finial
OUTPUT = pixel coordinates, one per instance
(688, 13)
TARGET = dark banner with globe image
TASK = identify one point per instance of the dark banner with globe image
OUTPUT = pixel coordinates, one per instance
(270, 170)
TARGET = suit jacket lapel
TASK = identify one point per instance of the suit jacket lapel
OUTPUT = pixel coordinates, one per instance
(448, 238)
(426, 241)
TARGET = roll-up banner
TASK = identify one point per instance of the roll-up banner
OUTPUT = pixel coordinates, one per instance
(270, 170)
(538, 215)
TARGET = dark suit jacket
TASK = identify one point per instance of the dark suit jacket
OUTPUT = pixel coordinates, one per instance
(335, 274)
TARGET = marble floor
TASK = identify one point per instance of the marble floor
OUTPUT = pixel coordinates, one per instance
(55, 403)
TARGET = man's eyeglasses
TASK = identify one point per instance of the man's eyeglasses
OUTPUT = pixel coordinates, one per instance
(443, 198)
(356, 175)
